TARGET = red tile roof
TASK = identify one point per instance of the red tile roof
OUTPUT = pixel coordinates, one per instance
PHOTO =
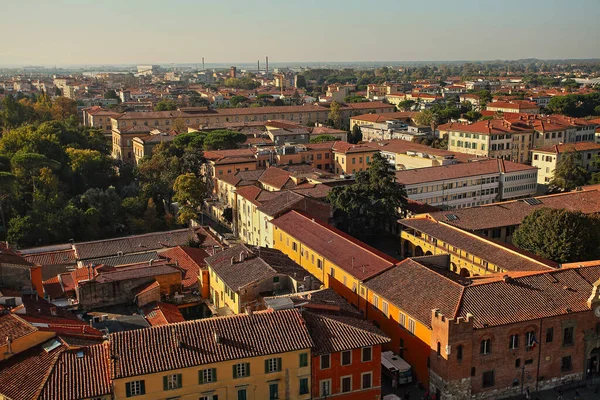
(145, 288)
(569, 147)
(11, 325)
(158, 314)
(355, 257)
(345, 147)
(191, 260)
(192, 343)
(7, 256)
(52, 258)
(277, 178)
(457, 171)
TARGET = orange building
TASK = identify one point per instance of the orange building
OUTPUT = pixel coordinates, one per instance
(351, 158)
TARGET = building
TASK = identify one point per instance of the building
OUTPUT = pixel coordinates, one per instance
(241, 275)
(335, 258)
(499, 220)
(469, 184)
(16, 273)
(497, 138)
(402, 154)
(260, 356)
(351, 158)
(142, 146)
(547, 158)
(491, 337)
(99, 118)
(470, 254)
(525, 107)
(145, 70)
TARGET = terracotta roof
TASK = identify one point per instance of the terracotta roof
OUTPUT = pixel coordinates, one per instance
(23, 376)
(284, 201)
(190, 260)
(423, 289)
(521, 105)
(457, 171)
(511, 213)
(59, 257)
(399, 146)
(79, 374)
(53, 288)
(345, 147)
(192, 343)
(333, 333)
(145, 288)
(509, 259)
(276, 177)
(386, 116)
(319, 191)
(491, 127)
(135, 271)
(569, 147)
(133, 244)
(7, 256)
(355, 257)
(158, 314)
(14, 326)
(125, 259)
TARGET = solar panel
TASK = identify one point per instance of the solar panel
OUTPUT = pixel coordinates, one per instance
(532, 201)
(452, 217)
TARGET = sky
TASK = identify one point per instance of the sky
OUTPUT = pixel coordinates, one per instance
(95, 32)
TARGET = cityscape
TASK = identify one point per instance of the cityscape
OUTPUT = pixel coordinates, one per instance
(309, 221)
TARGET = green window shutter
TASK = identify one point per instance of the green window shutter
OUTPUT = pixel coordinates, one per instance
(214, 377)
(279, 364)
(215, 397)
(180, 380)
(128, 389)
(267, 366)
(143, 386)
(247, 369)
(165, 383)
(200, 377)
(234, 371)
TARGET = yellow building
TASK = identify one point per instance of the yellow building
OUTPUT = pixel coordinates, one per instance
(351, 158)
(470, 254)
(265, 355)
(19, 335)
(335, 258)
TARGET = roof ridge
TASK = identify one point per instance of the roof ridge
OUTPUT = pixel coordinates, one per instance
(50, 369)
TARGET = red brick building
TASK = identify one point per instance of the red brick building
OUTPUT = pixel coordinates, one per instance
(346, 357)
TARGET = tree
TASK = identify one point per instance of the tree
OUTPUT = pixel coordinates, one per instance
(300, 81)
(165, 105)
(405, 105)
(7, 186)
(559, 235)
(190, 192)
(237, 100)
(569, 172)
(356, 135)
(112, 95)
(223, 139)
(472, 115)
(90, 168)
(179, 125)
(355, 99)
(63, 108)
(372, 201)
(335, 114)
(323, 138)
(241, 83)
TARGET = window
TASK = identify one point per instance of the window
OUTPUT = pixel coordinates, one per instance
(367, 354)
(459, 352)
(325, 387)
(207, 375)
(439, 349)
(241, 370)
(171, 382)
(367, 380)
(411, 326)
(346, 384)
(242, 394)
(273, 391)
(565, 364)
(303, 360)
(376, 301)
(135, 388)
(303, 385)
(568, 336)
(513, 342)
(332, 272)
(517, 363)
(346, 357)
(488, 379)
(529, 339)
(384, 308)
(325, 361)
(319, 264)
(402, 319)
(272, 365)
(549, 335)
(485, 346)
(275, 279)
(294, 246)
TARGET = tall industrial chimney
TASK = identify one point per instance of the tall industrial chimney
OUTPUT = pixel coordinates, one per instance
(258, 66)
(267, 59)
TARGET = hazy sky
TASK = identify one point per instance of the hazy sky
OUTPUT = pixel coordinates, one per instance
(63, 32)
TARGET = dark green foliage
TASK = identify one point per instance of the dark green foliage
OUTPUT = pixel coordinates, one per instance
(372, 201)
(569, 172)
(241, 83)
(355, 135)
(559, 235)
(165, 105)
(223, 139)
(322, 138)
(576, 105)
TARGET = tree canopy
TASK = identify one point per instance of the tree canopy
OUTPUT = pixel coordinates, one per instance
(569, 172)
(241, 83)
(335, 114)
(559, 235)
(165, 105)
(374, 199)
(322, 138)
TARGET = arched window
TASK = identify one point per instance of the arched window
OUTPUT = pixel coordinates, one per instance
(530, 339)
(439, 349)
(459, 352)
(513, 341)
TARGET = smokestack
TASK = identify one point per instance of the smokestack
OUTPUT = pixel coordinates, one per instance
(258, 66)
(267, 60)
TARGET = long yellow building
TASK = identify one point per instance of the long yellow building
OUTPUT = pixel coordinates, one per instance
(245, 357)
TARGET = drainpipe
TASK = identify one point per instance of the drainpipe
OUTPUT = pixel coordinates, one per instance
(537, 374)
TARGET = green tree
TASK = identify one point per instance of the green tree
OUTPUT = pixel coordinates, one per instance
(241, 83)
(223, 139)
(335, 114)
(569, 172)
(91, 168)
(112, 95)
(355, 99)
(405, 105)
(237, 100)
(473, 115)
(559, 235)
(63, 108)
(355, 135)
(323, 138)
(7, 186)
(372, 201)
(165, 105)
(190, 192)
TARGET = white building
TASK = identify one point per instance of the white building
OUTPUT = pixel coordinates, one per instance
(547, 158)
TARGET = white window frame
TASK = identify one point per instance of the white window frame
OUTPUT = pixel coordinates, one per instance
(207, 375)
(342, 383)
(135, 388)
(402, 319)
(362, 354)
(241, 370)
(411, 325)
(272, 365)
(342, 357)
(376, 301)
(322, 383)
(385, 308)
(362, 381)
(173, 382)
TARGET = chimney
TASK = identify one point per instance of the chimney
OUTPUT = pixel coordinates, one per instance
(217, 336)
(267, 61)
(242, 256)
(9, 345)
(53, 311)
(506, 278)
(232, 260)
(249, 310)
(150, 262)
